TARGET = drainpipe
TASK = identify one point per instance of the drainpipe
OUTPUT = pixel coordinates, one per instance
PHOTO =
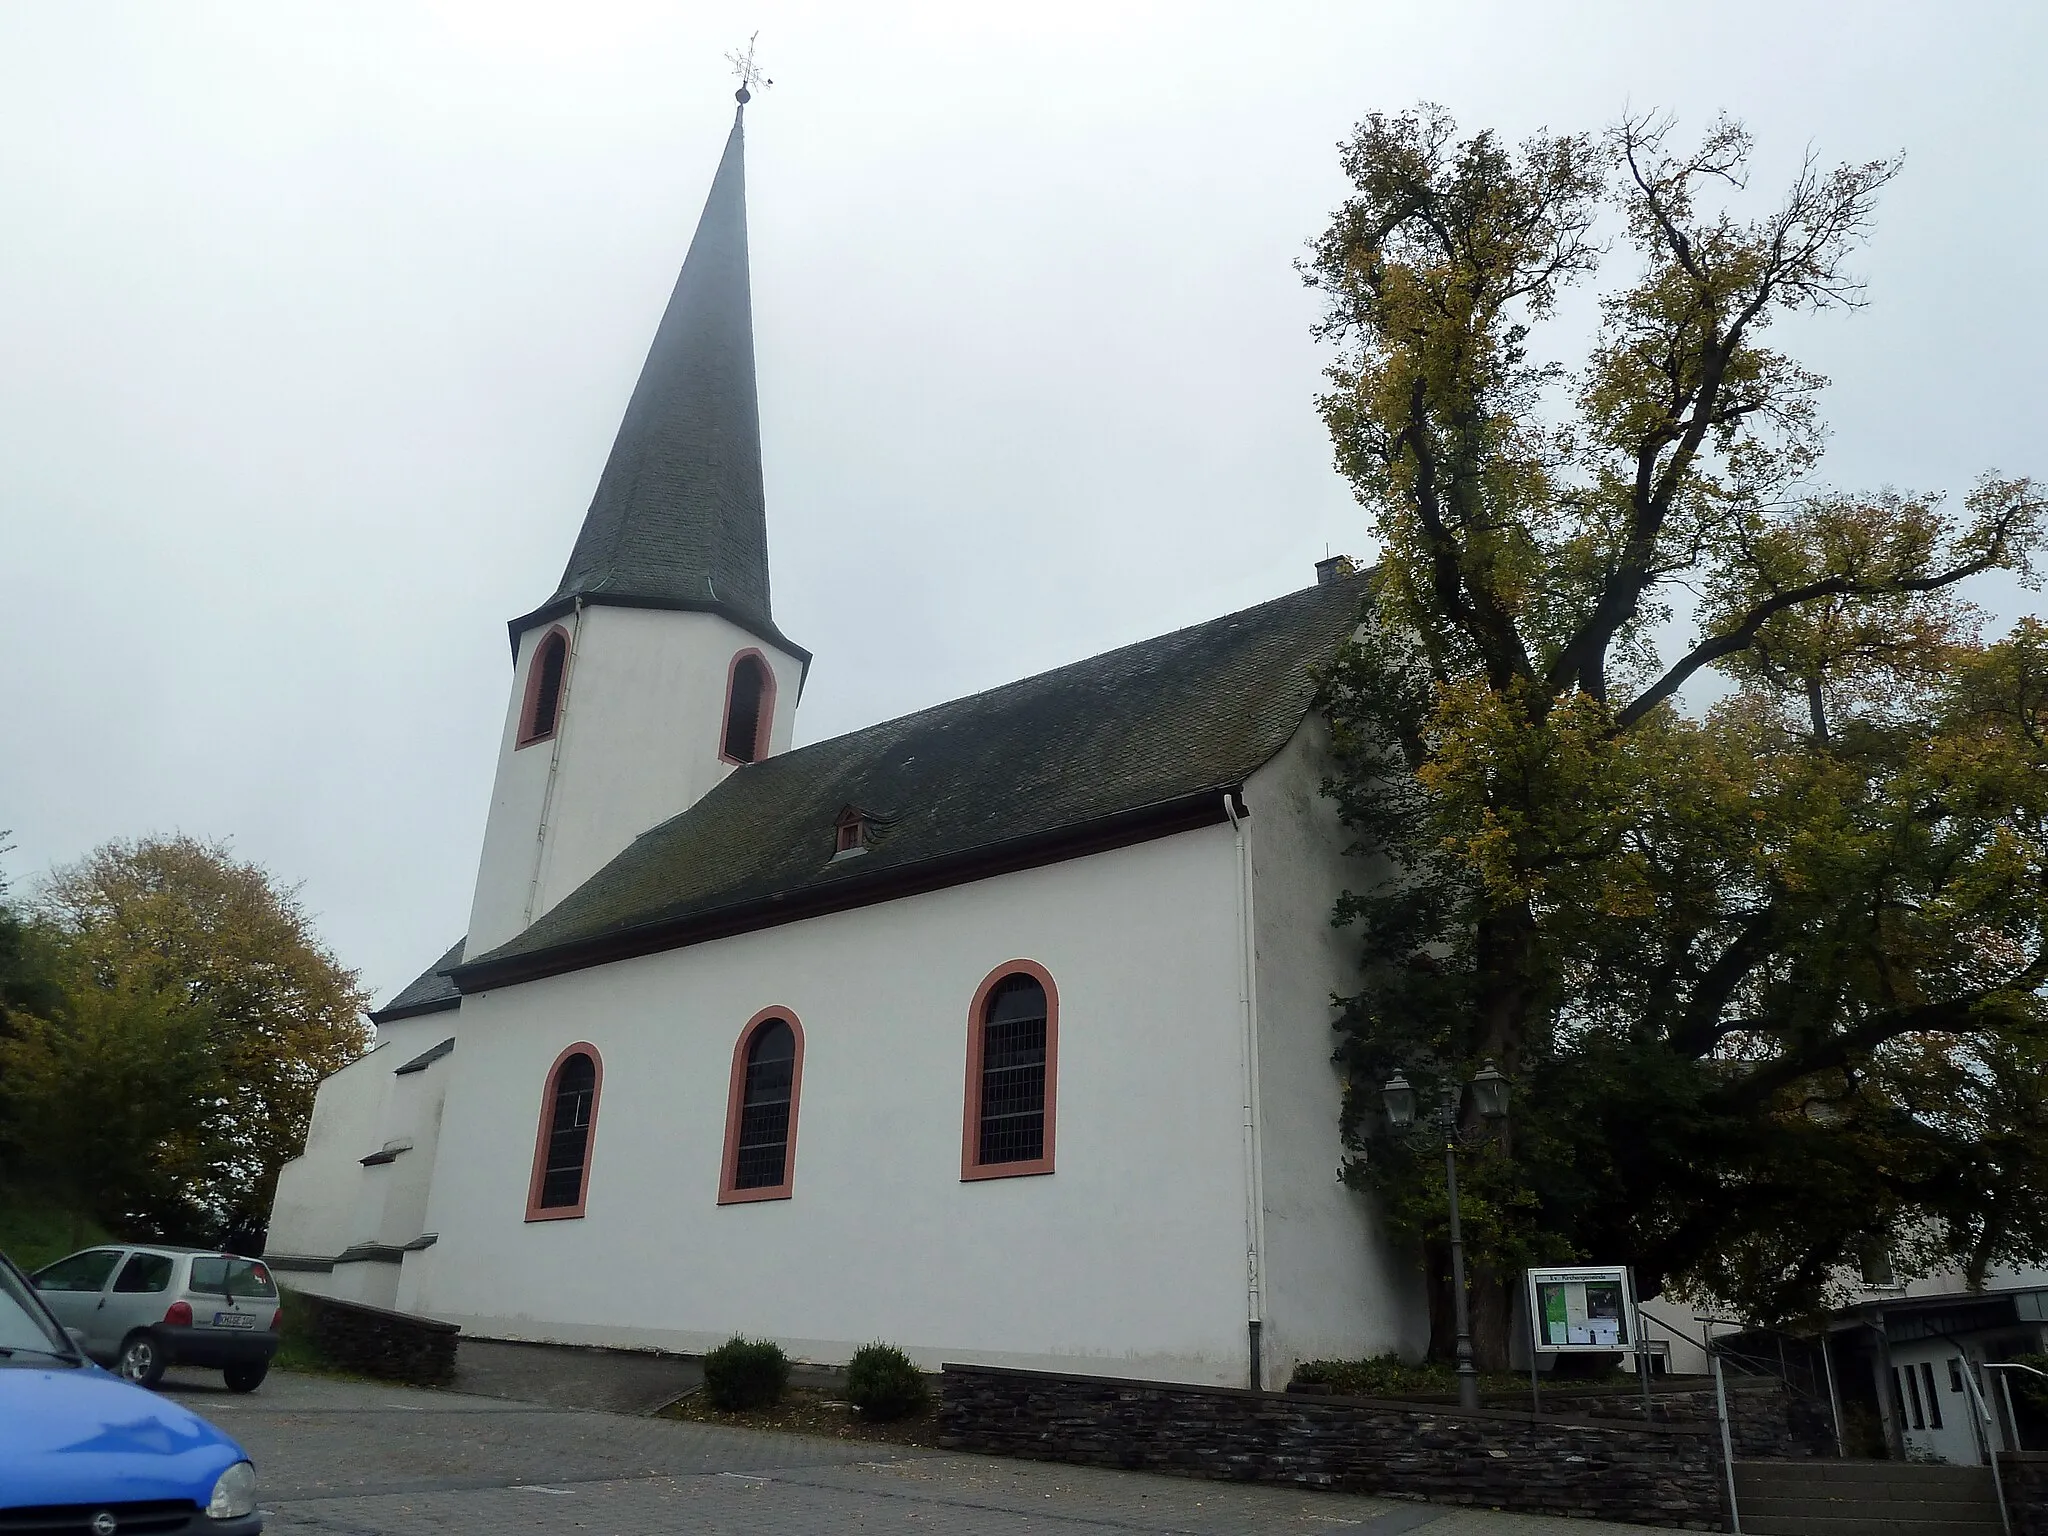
(547, 799)
(1254, 1161)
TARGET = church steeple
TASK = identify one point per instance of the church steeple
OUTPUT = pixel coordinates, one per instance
(679, 520)
(655, 669)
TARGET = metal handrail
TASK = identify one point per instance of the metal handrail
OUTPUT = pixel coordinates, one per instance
(1976, 1395)
(2012, 1419)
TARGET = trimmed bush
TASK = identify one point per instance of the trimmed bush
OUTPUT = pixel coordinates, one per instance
(745, 1373)
(1388, 1376)
(1380, 1376)
(882, 1384)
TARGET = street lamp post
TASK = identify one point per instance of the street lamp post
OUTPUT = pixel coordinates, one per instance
(1490, 1096)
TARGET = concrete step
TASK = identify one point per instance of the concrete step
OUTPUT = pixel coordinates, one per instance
(1799, 1508)
(1920, 1475)
(1863, 1525)
(1865, 1498)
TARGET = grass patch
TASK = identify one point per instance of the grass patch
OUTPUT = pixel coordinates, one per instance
(32, 1232)
(809, 1411)
(297, 1348)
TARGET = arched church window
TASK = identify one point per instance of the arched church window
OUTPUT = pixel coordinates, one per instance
(543, 706)
(760, 1120)
(1012, 1074)
(568, 1116)
(749, 708)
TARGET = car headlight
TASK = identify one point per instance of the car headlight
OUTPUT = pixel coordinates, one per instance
(234, 1495)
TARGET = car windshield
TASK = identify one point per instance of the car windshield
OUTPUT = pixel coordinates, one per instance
(23, 1325)
(231, 1277)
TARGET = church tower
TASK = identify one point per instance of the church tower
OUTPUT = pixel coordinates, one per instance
(656, 668)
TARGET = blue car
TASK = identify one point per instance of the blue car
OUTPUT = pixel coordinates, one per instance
(86, 1452)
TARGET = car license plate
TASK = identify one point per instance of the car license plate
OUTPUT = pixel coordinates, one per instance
(233, 1320)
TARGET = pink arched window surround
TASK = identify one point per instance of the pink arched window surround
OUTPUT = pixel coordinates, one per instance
(749, 686)
(547, 680)
(1013, 1058)
(567, 1135)
(760, 1109)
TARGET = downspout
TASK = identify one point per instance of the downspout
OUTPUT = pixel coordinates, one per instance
(1254, 1160)
(547, 799)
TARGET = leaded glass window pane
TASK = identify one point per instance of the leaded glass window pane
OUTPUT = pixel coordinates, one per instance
(569, 1133)
(763, 1152)
(1013, 1073)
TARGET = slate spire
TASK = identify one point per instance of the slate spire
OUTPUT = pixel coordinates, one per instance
(679, 520)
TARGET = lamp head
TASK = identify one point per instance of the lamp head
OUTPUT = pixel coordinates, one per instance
(1490, 1092)
(1399, 1098)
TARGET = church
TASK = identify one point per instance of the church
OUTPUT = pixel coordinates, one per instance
(1000, 1031)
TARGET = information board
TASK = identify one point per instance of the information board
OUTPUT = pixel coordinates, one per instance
(1582, 1309)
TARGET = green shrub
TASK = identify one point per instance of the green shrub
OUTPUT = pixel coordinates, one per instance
(1389, 1376)
(745, 1373)
(2026, 1387)
(881, 1383)
(1381, 1376)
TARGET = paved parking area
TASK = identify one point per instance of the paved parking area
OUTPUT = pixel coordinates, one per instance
(341, 1459)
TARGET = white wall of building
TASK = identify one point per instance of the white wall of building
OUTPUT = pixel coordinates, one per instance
(1335, 1289)
(1128, 1259)
(314, 1210)
(1676, 1324)
(642, 721)
(1942, 1423)
(327, 1202)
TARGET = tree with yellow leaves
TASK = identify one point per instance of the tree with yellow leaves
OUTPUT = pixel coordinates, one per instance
(1768, 973)
(197, 1012)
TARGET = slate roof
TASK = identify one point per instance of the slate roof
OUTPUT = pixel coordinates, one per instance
(426, 1058)
(679, 518)
(430, 992)
(1142, 735)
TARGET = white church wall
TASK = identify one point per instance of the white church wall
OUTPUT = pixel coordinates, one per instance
(1335, 1289)
(413, 1121)
(327, 1201)
(1128, 1259)
(642, 719)
(314, 1208)
(373, 1282)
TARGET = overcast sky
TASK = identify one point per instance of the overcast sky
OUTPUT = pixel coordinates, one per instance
(316, 322)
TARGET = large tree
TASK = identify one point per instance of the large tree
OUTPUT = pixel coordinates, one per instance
(1766, 967)
(199, 1012)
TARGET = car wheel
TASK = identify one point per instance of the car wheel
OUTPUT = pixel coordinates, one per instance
(246, 1378)
(140, 1361)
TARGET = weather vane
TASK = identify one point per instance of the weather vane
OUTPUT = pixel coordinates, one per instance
(751, 78)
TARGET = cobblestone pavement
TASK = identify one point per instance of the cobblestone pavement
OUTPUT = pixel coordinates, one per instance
(342, 1459)
(616, 1380)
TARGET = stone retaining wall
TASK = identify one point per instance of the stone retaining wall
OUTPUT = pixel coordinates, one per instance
(396, 1346)
(2026, 1490)
(1657, 1474)
(1765, 1419)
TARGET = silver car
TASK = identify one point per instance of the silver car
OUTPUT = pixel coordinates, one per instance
(142, 1310)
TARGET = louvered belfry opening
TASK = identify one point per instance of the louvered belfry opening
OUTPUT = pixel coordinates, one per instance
(1013, 1073)
(547, 692)
(763, 1151)
(569, 1133)
(743, 710)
